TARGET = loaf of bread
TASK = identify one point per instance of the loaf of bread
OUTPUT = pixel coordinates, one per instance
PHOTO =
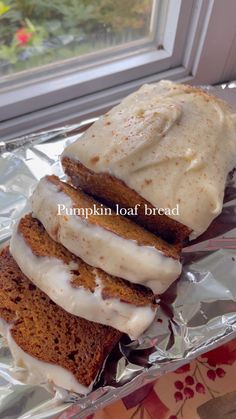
(167, 146)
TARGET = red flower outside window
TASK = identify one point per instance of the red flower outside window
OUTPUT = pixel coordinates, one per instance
(23, 36)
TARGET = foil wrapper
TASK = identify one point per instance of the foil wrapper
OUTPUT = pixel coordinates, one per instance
(197, 313)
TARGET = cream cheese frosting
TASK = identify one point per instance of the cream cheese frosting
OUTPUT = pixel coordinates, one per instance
(99, 247)
(171, 143)
(36, 371)
(54, 277)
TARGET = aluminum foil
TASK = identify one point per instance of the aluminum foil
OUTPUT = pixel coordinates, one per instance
(196, 314)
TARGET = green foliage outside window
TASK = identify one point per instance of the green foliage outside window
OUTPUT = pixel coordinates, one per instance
(37, 32)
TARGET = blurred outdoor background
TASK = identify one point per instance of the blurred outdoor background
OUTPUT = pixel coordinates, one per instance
(38, 32)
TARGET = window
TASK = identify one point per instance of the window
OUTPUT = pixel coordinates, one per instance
(35, 33)
(78, 63)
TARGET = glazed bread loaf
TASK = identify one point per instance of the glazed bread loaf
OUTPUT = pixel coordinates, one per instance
(165, 146)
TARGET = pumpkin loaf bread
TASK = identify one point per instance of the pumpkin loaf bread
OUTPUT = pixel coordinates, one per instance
(78, 288)
(112, 191)
(62, 348)
(103, 238)
(167, 147)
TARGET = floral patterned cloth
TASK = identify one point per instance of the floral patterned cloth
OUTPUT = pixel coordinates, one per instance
(205, 388)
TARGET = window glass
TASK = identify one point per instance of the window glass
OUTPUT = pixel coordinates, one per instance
(38, 32)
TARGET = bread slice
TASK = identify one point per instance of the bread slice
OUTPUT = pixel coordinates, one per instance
(168, 147)
(77, 287)
(45, 332)
(102, 238)
(113, 191)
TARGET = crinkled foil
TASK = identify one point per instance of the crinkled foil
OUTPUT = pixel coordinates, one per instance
(196, 314)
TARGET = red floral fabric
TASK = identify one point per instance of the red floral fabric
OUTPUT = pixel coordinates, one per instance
(194, 391)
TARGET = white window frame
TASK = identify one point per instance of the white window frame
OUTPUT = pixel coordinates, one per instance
(192, 51)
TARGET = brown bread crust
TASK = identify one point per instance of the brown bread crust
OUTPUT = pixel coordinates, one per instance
(84, 275)
(111, 191)
(47, 332)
